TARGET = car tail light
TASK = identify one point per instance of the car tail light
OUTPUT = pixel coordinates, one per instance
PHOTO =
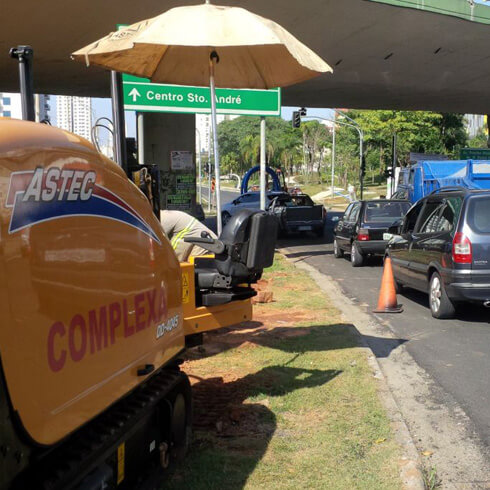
(462, 251)
(363, 235)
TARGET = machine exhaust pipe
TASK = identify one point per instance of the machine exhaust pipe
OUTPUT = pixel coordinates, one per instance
(24, 55)
(486, 303)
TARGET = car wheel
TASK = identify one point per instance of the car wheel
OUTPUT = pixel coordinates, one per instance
(356, 258)
(440, 304)
(337, 251)
(225, 217)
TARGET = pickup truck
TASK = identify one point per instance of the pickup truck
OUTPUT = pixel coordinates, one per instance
(296, 213)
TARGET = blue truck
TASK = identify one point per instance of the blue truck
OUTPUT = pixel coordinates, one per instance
(422, 178)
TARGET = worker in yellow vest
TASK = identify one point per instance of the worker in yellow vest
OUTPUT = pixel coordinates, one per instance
(177, 225)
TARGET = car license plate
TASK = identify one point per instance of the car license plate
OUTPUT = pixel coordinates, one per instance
(304, 228)
(387, 236)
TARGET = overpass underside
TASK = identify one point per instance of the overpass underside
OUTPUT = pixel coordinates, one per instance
(398, 54)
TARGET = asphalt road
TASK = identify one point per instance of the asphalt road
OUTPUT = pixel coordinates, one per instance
(226, 195)
(456, 353)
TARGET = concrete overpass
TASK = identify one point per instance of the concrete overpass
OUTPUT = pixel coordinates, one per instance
(400, 54)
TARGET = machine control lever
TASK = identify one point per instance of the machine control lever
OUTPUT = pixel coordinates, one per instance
(212, 244)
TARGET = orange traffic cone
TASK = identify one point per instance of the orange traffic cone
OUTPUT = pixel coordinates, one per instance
(387, 296)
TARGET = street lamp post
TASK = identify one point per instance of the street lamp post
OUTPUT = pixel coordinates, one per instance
(361, 147)
(361, 138)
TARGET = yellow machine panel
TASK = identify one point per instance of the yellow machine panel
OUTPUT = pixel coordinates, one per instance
(91, 294)
(204, 318)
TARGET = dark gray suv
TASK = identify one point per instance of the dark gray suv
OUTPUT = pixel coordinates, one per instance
(442, 247)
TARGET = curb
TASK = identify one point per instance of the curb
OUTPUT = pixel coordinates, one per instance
(410, 463)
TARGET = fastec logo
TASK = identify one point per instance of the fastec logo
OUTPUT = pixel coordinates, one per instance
(51, 185)
(43, 195)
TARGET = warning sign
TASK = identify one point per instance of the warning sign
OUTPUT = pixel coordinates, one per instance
(185, 287)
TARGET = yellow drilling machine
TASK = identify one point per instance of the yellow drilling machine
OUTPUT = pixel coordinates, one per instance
(96, 312)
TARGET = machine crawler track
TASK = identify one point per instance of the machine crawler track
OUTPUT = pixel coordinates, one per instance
(91, 454)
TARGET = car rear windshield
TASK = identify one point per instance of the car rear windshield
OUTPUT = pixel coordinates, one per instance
(385, 211)
(478, 215)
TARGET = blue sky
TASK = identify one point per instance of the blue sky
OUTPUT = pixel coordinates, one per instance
(102, 108)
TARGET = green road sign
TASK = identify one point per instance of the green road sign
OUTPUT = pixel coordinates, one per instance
(142, 95)
(474, 153)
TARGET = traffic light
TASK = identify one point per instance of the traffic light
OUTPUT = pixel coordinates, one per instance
(389, 172)
(296, 119)
(363, 166)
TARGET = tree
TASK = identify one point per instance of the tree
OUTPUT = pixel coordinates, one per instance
(479, 141)
(316, 140)
(417, 131)
(240, 138)
(306, 148)
(250, 149)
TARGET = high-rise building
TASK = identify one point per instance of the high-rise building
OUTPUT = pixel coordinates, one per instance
(42, 107)
(203, 126)
(10, 105)
(75, 115)
(474, 123)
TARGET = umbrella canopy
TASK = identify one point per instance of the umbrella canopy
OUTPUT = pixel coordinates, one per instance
(175, 46)
(208, 45)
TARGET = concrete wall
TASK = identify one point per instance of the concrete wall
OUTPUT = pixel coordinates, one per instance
(164, 133)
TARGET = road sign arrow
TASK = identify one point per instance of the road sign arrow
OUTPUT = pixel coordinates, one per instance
(135, 94)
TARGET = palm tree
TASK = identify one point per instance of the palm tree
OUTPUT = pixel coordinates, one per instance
(250, 149)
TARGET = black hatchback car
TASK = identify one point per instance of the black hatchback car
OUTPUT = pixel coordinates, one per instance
(361, 228)
(442, 247)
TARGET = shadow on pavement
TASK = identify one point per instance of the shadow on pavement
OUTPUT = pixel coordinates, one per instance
(465, 312)
(295, 340)
(304, 254)
(369, 261)
(232, 422)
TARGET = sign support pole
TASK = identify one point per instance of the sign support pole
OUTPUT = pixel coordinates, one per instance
(262, 163)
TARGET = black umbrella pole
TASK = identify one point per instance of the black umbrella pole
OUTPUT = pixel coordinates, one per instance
(24, 55)
(119, 123)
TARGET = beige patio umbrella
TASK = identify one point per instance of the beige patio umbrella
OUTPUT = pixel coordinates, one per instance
(207, 45)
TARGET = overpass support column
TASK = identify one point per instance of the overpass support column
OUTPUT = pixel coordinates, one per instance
(163, 133)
